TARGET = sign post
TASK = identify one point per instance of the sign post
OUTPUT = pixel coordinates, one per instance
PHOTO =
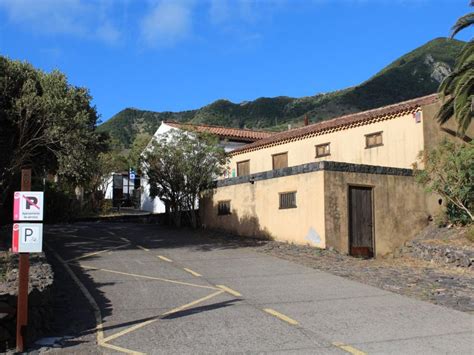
(24, 269)
(26, 238)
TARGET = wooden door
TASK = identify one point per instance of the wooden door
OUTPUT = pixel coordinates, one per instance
(361, 239)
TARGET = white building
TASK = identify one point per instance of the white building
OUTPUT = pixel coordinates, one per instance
(229, 138)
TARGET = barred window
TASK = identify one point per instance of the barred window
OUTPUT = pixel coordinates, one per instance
(373, 140)
(287, 200)
(223, 208)
(280, 160)
(323, 150)
(243, 168)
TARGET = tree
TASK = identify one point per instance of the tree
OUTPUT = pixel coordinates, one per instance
(180, 166)
(138, 146)
(51, 124)
(457, 89)
(47, 124)
(449, 172)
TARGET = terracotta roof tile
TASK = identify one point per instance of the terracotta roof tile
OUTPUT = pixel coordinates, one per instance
(246, 135)
(338, 123)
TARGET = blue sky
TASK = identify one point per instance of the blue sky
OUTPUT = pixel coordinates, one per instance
(182, 54)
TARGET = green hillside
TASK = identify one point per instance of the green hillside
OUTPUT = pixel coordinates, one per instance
(415, 74)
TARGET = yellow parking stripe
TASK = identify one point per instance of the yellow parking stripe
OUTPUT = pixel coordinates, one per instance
(349, 348)
(165, 258)
(143, 248)
(229, 290)
(119, 348)
(280, 316)
(174, 310)
(149, 277)
(194, 273)
(96, 253)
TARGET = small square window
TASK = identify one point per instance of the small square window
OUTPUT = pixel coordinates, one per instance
(280, 161)
(373, 140)
(223, 208)
(323, 150)
(243, 168)
(288, 200)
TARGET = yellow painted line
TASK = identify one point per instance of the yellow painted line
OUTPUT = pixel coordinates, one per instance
(143, 248)
(119, 348)
(229, 290)
(194, 273)
(180, 308)
(174, 310)
(150, 277)
(97, 315)
(164, 258)
(349, 348)
(96, 253)
(280, 316)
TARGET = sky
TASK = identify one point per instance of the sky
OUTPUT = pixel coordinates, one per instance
(174, 55)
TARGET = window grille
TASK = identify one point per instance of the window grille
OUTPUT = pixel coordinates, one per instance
(323, 150)
(223, 208)
(288, 200)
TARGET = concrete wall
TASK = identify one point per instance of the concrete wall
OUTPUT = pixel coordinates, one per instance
(255, 209)
(402, 142)
(401, 208)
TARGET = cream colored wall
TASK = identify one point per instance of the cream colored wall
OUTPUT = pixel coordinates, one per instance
(255, 209)
(434, 134)
(401, 209)
(402, 141)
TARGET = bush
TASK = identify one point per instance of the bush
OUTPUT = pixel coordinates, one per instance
(60, 206)
(449, 171)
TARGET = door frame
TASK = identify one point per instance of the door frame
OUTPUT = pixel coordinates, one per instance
(349, 213)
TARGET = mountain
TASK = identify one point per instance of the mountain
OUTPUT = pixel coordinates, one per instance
(415, 74)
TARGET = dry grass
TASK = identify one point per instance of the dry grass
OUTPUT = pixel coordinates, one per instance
(5, 264)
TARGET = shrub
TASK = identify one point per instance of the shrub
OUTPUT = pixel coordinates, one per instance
(449, 171)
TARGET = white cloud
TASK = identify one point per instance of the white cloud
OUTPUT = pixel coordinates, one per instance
(167, 22)
(78, 18)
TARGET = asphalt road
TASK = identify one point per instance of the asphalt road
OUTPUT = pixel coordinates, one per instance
(149, 289)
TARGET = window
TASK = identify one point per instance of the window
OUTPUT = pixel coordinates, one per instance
(223, 208)
(323, 150)
(243, 168)
(280, 160)
(287, 200)
(373, 140)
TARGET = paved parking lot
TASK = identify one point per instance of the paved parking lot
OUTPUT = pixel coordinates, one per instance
(158, 290)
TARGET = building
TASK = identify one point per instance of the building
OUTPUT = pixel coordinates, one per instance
(229, 138)
(344, 183)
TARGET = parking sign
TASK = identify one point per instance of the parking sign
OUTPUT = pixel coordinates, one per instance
(28, 206)
(27, 238)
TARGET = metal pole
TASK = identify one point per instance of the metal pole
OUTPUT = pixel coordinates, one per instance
(24, 269)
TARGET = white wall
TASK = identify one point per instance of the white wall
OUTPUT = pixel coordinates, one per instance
(156, 205)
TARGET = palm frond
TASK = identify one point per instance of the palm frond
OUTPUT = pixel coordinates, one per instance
(446, 111)
(462, 23)
(465, 83)
(465, 55)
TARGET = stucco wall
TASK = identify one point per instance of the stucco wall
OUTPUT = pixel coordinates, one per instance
(402, 142)
(400, 209)
(431, 129)
(255, 209)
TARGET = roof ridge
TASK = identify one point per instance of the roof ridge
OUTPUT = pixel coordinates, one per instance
(216, 126)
